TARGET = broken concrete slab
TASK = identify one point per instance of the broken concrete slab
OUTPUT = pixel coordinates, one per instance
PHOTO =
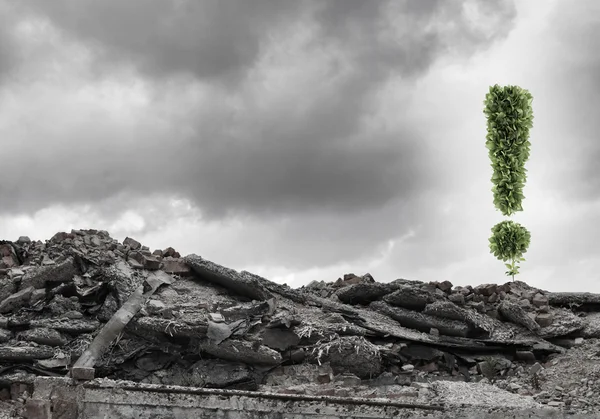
(410, 297)
(584, 301)
(25, 353)
(363, 293)
(350, 354)
(280, 339)
(240, 351)
(52, 275)
(16, 300)
(560, 322)
(159, 327)
(144, 261)
(43, 336)
(176, 267)
(516, 314)
(132, 243)
(227, 278)
(422, 322)
(480, 325)
(67, 325)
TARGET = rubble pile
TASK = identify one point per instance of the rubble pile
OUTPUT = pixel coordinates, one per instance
(84, 305)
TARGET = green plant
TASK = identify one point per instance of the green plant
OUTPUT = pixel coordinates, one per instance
(509, 242)
(509, 119)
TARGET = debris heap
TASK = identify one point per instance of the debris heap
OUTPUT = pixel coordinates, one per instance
(84, 305)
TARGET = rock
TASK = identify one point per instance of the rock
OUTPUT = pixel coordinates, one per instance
(155, 306)
(591, 326)
(420, 321)
(578, 341)
(515, 314)
(535, 368)
(485, 289)
(23, 240)
(246, 285)
(408, 367)
(348, 380)
(16, 300)
(563, 322)
(66, 325)
(170, 252)
(43, 336)
(8, 256)
(5, 335)
(176, 267)
(444, 286)
(544, 319)
(458, 299)
(526, 356)
(133, 244)
(350, 354)
(539, 300)
(161, 328)
(37, 295)
(363, 293)
(225, 375)
(478, 324)
(280, 339)
(577, 300)
(241, 351)
(144, 261)
(410, 297)
(51, 275)
(25, 353)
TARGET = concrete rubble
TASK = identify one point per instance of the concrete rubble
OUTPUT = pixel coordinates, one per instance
(83, 305)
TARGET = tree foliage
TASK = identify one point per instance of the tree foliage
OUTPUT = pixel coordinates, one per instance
(509, 119)
(509, 242)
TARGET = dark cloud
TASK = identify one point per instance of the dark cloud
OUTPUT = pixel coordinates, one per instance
(318, 151)
(8, 47)
(210, 39)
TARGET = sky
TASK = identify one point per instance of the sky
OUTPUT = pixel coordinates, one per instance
(303, 139)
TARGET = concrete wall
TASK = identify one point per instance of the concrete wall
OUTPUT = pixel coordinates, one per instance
(59, 398)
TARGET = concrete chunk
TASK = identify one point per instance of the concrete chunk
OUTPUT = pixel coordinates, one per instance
(16, 301)
(227, 278)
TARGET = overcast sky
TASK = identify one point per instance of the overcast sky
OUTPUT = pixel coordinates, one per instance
(302, 140)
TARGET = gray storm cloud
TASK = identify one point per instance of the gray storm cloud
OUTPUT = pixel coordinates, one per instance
(322, 155)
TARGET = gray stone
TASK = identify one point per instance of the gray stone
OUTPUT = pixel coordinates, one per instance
(363, 293)
(411, 297)
(420, 321)
(515, 314)
(24, 240)
(53, 274)
(133, 244)
(535, 368)
(458, 299)
(5, 335)
(242, 283)
(16, 300)
(241, 351)
(544, 319)
(485, 289)
(539, 300)
(145, 261)
(43, 336)
(280, 339)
